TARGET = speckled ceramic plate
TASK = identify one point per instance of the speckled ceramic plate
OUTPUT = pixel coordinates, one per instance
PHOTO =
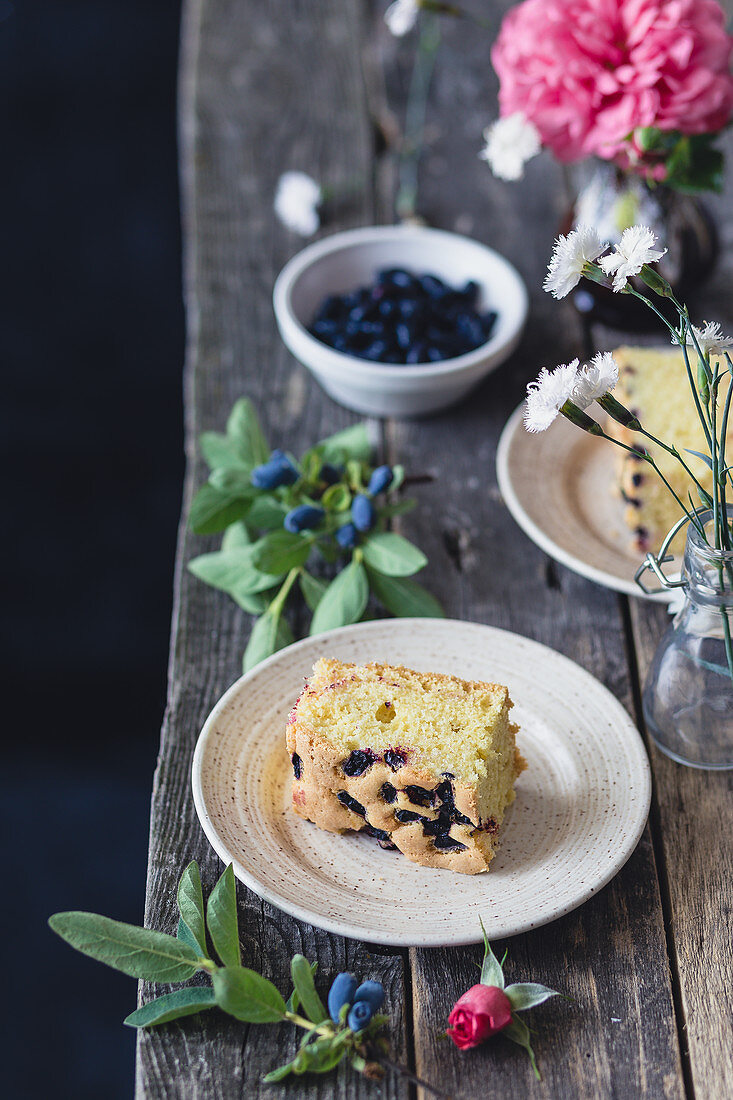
(580, 809)
(557, 485)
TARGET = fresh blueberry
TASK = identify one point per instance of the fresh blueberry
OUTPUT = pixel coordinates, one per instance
(380, 480)
(360, 1015)
(371, 993)
(277, 471)
(362, 512)
(341, 993)
(330, 474)
(346, 536)
(303, 518)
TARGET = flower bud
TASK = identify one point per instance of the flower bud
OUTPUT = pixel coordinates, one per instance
(372, 993)
(341, 993)
(303, 518)
(619, 412)
(481, 1012)
(360, 1015)
(380, 480)
(580, 419)
(346, 536)
(362, 512)
(656, 282)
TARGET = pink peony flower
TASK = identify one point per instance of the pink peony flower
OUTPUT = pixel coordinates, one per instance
(478, 1014)
(587, 73)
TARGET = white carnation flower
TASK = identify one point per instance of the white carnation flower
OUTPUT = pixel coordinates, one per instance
(569, 256)
(710, 339)
(547, 395)
(296, 202)
(635, 249)
(510, 142)
(595, 379)
(401, 16)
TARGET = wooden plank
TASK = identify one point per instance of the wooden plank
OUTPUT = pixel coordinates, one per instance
(262, 90)
(620, 1037)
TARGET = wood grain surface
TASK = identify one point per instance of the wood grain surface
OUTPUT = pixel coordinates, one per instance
(315, 85)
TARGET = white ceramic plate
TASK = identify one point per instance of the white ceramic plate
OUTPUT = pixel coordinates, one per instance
(580, 809)
(557, 485)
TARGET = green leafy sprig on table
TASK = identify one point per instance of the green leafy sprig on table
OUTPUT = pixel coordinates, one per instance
(261, 561)
(242, 993)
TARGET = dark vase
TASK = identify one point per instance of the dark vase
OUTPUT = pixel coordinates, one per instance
(612, 200)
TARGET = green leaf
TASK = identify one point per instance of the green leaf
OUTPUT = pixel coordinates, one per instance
(266, 513)
(233, 571)
(404, 597)
(185, 935)
(191, 906)
(293, 1001)
(312, 589)
(351, 443)
(400, 508)
(528, 994)
(518, 1032)
(244, 428)
(393, 555)
(236, 537)
(281, 551)
(236, 482)
(171, 1006)
(491, 970)
(247, 996)
(344, 601)
(212, 510)
(270, 633)
(302, 975)
(222, 452)
(221, 919)
(278, 1074)
(255, 603)
(698, 454)
(323, 1054)
(139, 952)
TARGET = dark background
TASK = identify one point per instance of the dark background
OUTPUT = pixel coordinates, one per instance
(92, 467)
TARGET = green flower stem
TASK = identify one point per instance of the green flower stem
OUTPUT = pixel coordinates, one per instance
(318, 1029)
(648, 459)
(417, 102)
(278, 602)
(670, 451)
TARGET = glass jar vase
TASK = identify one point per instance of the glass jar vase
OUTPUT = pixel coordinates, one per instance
(611, 200)
(688, 695)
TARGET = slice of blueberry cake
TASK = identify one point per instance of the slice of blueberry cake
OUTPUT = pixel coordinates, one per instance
(423, 762)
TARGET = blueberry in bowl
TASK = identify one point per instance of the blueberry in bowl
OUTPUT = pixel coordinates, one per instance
(404, 317)
(399, 320)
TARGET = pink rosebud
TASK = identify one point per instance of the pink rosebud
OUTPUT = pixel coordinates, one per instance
(480, 1012)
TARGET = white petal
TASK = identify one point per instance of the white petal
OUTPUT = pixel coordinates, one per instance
(401, 16)
(595, 379)
(569, 256)
(510, 142)
(547, 395)
(296, 202)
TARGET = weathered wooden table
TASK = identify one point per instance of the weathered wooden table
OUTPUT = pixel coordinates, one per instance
(306, 84)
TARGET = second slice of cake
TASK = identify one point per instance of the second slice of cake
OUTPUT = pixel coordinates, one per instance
(421, 761)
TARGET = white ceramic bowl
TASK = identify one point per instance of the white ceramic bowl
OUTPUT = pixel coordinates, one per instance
(346, 261)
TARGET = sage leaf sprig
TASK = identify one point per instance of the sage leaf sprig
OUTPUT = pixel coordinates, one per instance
(280, 516)
(352, 1031)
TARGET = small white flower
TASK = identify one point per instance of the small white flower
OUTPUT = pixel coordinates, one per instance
(296, 202)
(547, 395)
(595, 379)
(710, 339)
(510, 142)
(401, 16)
(569, 256)
(635, 249)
